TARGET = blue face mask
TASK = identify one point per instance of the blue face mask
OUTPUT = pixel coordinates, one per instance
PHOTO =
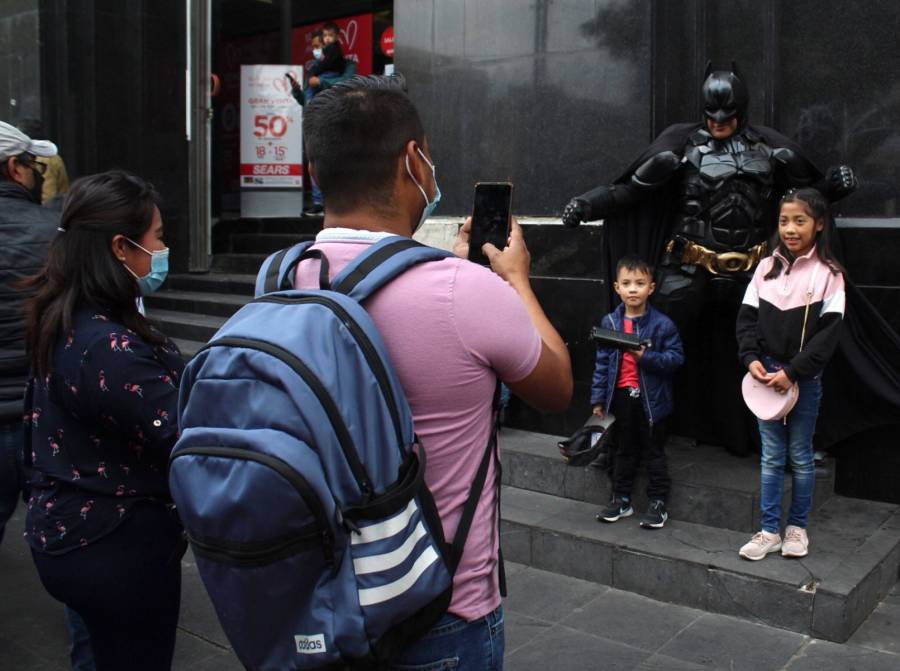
(317, 54)
(430, 205)
(159, 268)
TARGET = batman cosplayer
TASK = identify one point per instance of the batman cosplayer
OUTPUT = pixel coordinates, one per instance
(701, 203)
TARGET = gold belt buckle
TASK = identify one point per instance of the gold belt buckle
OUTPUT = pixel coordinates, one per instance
(733, 262)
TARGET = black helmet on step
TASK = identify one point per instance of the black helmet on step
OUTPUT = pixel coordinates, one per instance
(725, 95)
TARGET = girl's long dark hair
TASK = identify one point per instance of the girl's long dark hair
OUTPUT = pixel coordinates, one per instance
(81, 269)
(818, 207)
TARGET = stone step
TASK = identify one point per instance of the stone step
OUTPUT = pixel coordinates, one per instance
(219, 283)
(188, 347)
(709, 486)
(185, 326)
(237, 263)
(853, 561)
(197, 302)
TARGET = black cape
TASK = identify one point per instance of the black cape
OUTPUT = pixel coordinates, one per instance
(862, 385)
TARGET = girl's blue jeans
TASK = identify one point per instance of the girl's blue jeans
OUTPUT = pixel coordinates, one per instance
(456, 644)
(793, 440)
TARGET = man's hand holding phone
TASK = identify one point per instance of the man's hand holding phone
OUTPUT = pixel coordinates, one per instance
(513, 262)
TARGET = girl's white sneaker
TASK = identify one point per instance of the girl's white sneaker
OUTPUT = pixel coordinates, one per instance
(760, 545)
(796, 542)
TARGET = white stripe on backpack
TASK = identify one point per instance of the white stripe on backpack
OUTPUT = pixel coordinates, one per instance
(386, 529)
(389, 560)
(374, 595)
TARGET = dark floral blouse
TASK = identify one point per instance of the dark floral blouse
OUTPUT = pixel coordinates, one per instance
(98, 432)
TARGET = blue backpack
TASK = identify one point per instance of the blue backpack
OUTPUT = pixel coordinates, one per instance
(296, 479)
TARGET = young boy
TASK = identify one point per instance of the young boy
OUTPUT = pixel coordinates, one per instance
(636, 386)
(331, 62)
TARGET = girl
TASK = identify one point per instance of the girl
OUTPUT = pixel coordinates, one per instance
(770, 326)
(100, 422)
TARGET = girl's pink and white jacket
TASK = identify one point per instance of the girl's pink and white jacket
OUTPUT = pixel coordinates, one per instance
(770, 320)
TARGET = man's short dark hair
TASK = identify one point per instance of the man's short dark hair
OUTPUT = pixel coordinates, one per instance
(354, 133)
(317, 33)
(634, 263)
(332, 27)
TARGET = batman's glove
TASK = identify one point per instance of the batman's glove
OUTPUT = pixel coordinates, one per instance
(842, 180)
(575, 212)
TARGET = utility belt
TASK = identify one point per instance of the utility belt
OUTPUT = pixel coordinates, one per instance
(684, 251)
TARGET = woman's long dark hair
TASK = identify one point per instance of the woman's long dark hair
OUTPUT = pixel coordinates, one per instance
(818, 208)
(81, 269)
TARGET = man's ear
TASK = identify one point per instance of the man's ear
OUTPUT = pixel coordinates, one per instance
(415, 162)
(118, 245)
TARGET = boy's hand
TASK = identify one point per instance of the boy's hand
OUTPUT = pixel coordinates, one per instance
(759, 372)
(597, 410)
(313, 81)
(638, 353)
(780, 381)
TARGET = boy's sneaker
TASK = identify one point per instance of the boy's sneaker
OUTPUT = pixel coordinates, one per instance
(656, 515)
(618, 507)
(760, 545)
(796, 542)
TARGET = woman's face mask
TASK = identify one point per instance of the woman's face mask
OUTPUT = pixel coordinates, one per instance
(159, 268)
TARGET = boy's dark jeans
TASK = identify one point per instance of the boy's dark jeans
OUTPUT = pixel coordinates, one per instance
(636, 441)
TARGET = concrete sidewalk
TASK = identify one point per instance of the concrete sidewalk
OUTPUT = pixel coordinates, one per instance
(552, 622)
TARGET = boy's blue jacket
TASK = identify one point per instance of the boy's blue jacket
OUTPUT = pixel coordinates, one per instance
(655, 368)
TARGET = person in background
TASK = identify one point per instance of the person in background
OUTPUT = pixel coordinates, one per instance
(100, 422)
(26, 230)
(636, 385)
(56, 179)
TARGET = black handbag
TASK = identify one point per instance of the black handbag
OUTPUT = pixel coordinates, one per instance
(583, 446)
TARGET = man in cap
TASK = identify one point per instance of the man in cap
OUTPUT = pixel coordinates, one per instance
(701, 203)
(26, 229)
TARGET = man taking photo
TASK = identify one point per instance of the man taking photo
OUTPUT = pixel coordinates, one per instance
(452, 329)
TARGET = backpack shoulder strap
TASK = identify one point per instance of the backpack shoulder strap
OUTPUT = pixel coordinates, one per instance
(274, 273)
(381, 263)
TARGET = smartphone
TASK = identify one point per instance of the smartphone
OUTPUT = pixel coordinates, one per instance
(490, 218)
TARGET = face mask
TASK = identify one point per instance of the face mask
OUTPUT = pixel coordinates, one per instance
(317, 54)
(159, 268)
(429, 205)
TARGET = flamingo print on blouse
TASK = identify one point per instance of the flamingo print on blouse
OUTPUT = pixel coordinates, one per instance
(86, 508)
(102, 377)
(125, 342)
(70, 338)
(101, 470)
(134, 389)
(114, 342)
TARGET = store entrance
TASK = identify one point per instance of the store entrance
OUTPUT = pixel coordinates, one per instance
(276, 32)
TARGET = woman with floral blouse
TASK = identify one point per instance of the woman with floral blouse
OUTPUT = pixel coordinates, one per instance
(100, 421)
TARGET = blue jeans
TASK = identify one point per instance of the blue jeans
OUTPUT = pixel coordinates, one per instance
(794, 439)
(456, 644)
(81, 655)
(11, 435)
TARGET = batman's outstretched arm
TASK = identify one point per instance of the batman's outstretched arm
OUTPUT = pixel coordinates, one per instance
(838, 182)
(604, 200)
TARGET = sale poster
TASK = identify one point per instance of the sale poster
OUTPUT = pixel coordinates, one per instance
(271, 128)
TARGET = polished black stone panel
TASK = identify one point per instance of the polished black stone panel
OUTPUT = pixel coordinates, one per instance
(552, 96)
(871, 255)
(113, 79)
(557, 251)
(20, 61)
(836, 94)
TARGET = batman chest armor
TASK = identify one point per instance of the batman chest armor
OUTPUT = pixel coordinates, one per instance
(724, 191)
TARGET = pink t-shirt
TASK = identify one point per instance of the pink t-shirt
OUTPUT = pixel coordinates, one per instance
(450, 328)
